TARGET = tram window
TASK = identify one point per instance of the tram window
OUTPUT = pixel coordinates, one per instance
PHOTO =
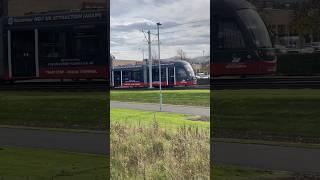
(257, 27)
(189, 69)
(86, 43)
(163, 74)
(51, 45)
(229, 36)
(68, 44)
(155, 74)
(215, 33)
(181, 74)
(117, 75)
(126, 76)
(136, 75)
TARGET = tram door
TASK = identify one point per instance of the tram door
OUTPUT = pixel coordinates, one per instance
(23, 54)
(171, 75)
(117, 78)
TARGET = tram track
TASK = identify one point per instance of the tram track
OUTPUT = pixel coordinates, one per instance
(311, 82)
(279, 82)
(55, 86)
(77, 86)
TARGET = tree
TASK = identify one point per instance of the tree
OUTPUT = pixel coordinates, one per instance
(182, 54)
(307, 21)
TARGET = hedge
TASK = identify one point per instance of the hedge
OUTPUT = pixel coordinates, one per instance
(299, 64)
(203, 81)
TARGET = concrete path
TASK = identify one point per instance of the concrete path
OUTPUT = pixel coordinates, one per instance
(268, 157)
(95, 143)
(191, 110)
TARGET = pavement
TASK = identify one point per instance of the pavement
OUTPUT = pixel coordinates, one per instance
(93, 143)
(190, 110)
(301, 160)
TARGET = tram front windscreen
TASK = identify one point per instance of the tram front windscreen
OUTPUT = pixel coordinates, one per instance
(256, 26)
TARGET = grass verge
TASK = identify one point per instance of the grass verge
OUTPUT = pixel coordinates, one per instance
(175, 97)
(237, 173)
(227, 172)
(146, 145)
(30, 164)
(272, 114)
(76, 110)
(168, 121)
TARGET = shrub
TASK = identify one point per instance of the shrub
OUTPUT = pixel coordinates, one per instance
(139, 152)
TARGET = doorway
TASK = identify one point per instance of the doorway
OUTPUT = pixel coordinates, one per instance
(23, 54)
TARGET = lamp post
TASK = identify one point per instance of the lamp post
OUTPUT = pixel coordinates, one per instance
(160, 85)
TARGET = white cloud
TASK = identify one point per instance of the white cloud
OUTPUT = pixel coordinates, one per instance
(185, 25)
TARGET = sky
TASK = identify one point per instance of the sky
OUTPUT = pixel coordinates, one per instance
(185, 25)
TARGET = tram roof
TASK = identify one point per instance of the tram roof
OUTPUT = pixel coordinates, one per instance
(58, 17)
(164, 63)
(232, 4)
(139, 66)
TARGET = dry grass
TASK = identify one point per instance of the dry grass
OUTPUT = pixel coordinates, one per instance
(152, 152)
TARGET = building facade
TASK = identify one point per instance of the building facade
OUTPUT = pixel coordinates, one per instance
(280, 25)
(279, 16)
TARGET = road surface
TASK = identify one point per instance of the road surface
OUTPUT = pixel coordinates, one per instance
(191, 110)
(94, 143)
(248, 155)
(268, 157)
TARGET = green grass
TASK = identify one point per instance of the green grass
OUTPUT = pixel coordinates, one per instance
(176, 97)
(147, 145)
(277, 112)
(77, 110)
(238, 173)
(33, 164)
(169, 121)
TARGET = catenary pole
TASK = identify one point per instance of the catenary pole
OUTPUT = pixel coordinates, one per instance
(150, 59)
(160, 82)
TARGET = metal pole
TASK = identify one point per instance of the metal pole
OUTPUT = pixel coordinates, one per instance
(160, 85)
(145, 73)
(36, 40)
(9, 55)
(150, 60)
(288, 35)
(167, 76)
(121, 78)
(174, 76)
(112, 77)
